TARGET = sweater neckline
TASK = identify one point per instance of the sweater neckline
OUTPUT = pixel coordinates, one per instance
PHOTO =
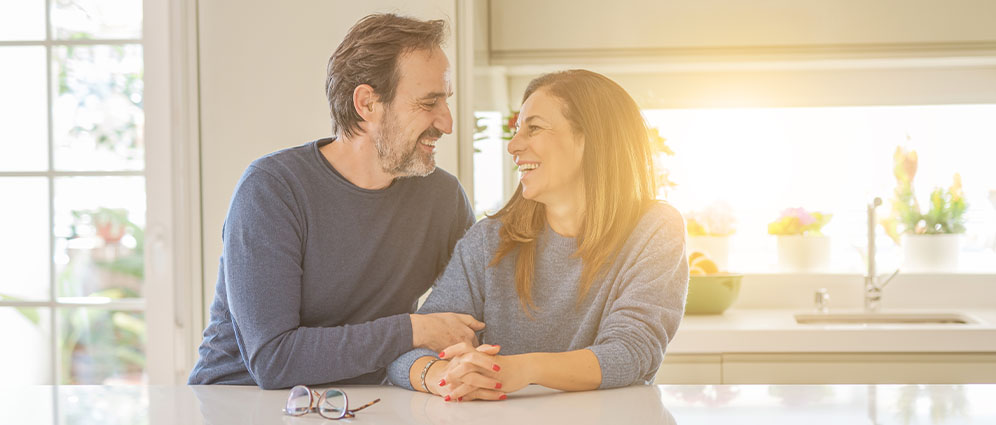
(342, 180)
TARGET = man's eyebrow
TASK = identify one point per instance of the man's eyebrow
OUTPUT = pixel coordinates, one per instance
(437, 95)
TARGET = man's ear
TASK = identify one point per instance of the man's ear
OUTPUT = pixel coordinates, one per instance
(366, 102)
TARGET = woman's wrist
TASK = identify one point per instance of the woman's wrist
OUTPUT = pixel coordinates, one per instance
(434, 375)
(526, 364)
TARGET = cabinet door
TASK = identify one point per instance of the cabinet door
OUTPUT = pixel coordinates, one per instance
(688, 27)
(690, 369)
(859, 368)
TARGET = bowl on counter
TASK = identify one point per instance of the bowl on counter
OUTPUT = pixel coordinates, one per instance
(712, 293)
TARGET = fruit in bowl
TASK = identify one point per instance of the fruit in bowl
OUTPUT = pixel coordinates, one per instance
(710, 291)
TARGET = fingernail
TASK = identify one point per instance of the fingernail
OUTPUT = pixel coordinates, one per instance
(447, 398)
(460, 399)
(442, 354)
(498, 347)
(496, 368)
(502, 397)
(498, 386)
(442, 382)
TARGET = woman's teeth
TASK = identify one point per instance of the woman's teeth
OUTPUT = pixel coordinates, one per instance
(528, 167)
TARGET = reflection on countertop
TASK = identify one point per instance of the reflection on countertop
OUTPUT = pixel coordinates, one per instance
(667, 404)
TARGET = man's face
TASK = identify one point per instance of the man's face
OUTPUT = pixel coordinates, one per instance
(418, 116)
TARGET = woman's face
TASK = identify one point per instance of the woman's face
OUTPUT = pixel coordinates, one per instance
(547, 151)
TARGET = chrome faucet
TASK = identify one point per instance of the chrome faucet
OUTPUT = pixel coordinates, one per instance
(873, 290)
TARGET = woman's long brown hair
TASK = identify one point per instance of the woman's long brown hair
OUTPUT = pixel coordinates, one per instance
(617, 166)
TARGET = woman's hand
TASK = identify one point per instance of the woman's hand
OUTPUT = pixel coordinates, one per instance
(469, 370)
(482, 374)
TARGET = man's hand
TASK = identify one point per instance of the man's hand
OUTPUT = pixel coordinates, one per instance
(437, 331)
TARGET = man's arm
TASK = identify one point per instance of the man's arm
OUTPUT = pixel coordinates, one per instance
(263, 250)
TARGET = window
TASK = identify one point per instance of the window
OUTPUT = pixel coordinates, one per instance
(834, 160)
(493, 166)
(72, 177)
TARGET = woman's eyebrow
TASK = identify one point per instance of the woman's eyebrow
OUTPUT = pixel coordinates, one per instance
(531, 118)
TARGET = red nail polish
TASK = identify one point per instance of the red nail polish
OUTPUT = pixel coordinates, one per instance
(498, 386)
(442, 382)
(447, 398)
(460, 399)
(502, 397)
(496, 368)
(442, 354)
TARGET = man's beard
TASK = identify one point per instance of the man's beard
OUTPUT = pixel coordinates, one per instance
(396, 158)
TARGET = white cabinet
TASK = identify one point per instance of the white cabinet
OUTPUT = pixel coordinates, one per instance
(690, 369)
(523, 28)
(829, 368)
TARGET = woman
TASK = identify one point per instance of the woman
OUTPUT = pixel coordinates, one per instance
(581, 277)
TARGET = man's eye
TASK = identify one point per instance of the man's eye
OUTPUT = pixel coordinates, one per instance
(429, 105)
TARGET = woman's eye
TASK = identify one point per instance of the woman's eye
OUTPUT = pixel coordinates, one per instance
(534, 128)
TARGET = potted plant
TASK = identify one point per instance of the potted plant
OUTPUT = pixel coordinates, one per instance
(802, 246)
(930, 240)
(709, 232)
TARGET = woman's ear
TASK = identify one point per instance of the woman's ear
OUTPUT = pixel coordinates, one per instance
(365, 102)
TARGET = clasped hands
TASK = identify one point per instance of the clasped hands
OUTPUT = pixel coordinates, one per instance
(466, 373)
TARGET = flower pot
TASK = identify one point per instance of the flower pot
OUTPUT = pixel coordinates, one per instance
(716, 248)
(930, 253)
(797, 253)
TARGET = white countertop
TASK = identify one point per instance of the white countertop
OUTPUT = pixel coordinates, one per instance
(710, 404)
(775, 331)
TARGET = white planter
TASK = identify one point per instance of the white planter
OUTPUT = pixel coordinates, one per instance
(797, 253)
(930, 253)
(717, 248)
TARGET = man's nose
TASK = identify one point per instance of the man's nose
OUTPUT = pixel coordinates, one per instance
(444, 120)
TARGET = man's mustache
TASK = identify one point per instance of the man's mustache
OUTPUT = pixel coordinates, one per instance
(432, 133)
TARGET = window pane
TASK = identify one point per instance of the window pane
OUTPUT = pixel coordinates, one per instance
(489, 150)
(99, 231)
(101, 347)
(30, 328)
(104, 19)
(24, 133)
(24, 257)
(97, 115)
(22, 20)
(833, 160)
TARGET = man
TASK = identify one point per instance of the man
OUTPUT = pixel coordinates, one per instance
(327, 246)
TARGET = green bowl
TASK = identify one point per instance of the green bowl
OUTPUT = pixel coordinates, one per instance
(713, 293)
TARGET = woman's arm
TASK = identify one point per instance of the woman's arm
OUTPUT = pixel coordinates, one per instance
(632, 337)
(458, 290)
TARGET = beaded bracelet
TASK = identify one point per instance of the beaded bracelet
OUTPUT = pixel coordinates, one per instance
(425, 371)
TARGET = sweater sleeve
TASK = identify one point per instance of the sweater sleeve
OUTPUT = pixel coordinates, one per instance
(647, 308)
(263, 251)
(459, 290)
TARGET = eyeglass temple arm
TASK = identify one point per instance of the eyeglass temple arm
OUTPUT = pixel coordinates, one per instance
(364, 406)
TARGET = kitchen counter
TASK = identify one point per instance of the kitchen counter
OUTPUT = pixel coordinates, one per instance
(679, 404)
(775, 331)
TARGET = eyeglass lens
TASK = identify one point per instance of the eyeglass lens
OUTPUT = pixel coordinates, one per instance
(299, 401)
(332, 404)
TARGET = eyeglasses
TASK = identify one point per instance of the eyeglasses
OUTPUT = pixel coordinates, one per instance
(330, 404)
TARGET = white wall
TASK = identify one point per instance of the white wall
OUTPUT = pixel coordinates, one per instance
(262, 75)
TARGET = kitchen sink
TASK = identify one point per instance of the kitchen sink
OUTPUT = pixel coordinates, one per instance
(884, 319)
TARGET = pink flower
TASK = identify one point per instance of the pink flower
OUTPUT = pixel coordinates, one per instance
(804, 217)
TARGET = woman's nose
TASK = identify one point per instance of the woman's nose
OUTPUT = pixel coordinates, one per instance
(516, 145)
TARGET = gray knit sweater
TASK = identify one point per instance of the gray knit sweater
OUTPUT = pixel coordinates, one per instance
(627, 318)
